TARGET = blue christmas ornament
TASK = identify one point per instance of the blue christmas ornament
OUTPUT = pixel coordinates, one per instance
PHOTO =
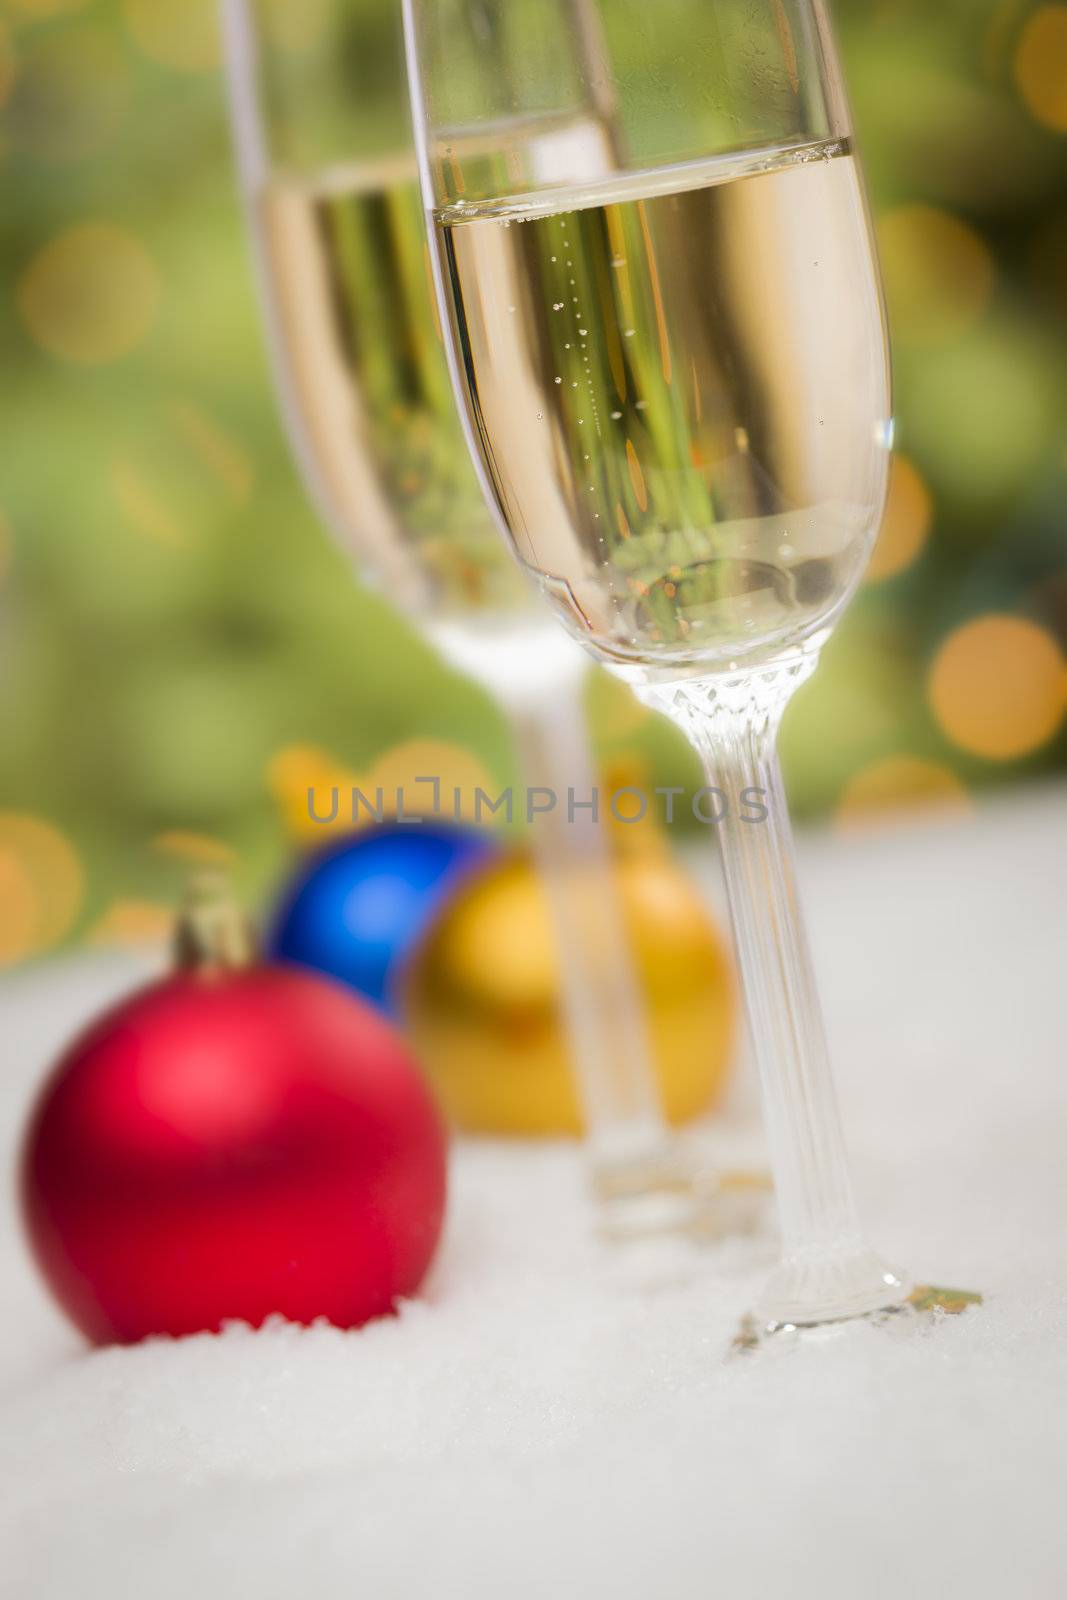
(357, 910)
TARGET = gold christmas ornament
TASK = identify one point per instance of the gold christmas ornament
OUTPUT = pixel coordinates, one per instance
(481, 998)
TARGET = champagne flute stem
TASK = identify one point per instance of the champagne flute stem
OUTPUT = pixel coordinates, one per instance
(601, 992)
(827, 1270)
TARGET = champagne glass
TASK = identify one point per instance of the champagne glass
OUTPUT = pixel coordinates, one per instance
(671, 359)
(322, 130)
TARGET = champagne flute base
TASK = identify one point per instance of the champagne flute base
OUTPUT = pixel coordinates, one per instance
(924, 1307)
(811, 1288)
(644, 1192)
(672, 1189)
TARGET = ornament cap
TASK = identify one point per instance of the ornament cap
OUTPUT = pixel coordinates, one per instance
(212, 934)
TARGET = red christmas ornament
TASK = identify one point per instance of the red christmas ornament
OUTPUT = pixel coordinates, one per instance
(232, 1142)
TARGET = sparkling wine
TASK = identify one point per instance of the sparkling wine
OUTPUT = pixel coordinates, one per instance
(678, 383)
(368, 391)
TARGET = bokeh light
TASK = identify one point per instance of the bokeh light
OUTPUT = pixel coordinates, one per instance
(899, 786)
(998, 687)
(132, 924)
(198, 849)
(91, 294)
(41, 886)
(180, 474)
(458, 770)
(302, 778)
(18, 910)
(220, 454)
(143, 506)
(939, 273)
(908, 519)
(1041, 66)
(184, 36)
(299, 770)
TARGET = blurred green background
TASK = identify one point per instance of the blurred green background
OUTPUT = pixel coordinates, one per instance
(182, 649)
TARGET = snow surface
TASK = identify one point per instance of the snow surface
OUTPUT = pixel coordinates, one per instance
(557, 1419)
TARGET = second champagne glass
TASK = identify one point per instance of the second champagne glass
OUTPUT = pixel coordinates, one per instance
(675, 380)
(322, 128)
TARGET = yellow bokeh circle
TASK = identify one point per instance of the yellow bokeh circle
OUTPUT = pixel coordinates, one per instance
(908, 518)
(183, 36)
(133, 923)
(224, 460)
(425, 779)
(303, 780)
(18, 910)
(456, 776)
(143, 506)
(998, 687)
(41, 886)
(1041, 67)
(199, 849)
(179, 474)
(91, 294)
(900, 785)
(939, 273)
